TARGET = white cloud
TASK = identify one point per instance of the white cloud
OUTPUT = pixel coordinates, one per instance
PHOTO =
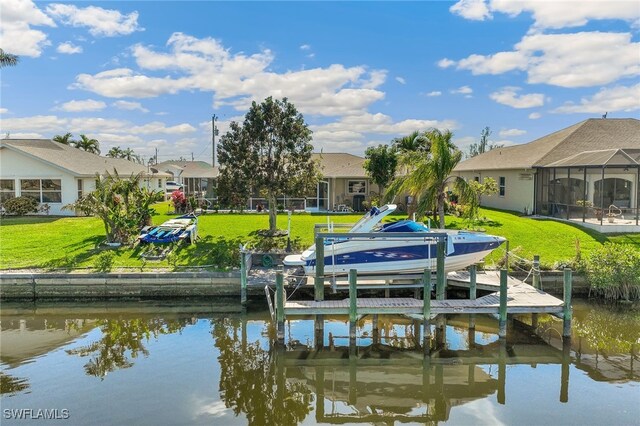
(237, 79)
(3, 110)
(566, 60)
(534, 115)
(505, 133)
(16, 33)
(101, 22)
(619, 98)
(463, 90)
(37, 123)
(69, 48)
(23, 135)
(476, 10)
(351, 133)
(130, 106)
(434, 93)
(509, 96)
(446, 63)
(305, 47)
(401, 80)
(81, 106)
(564, 14)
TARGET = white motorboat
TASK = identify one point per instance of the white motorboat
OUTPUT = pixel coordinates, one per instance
(392, 250)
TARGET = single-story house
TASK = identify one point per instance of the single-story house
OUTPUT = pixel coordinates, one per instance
(588, 172)
(198, 177)
(344, 183)
(56, 174)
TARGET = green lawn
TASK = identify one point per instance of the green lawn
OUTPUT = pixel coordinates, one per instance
(42, 242)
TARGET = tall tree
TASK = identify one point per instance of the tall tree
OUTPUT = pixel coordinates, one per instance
(130, 154)
(7, 59)
(415, 142)
(270, 152)
(115, 152)
(380, 164)
(88, 144)
(429, 176)
(483, 145)
(64, 139)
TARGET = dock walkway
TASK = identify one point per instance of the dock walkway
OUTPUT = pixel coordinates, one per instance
(522, 298)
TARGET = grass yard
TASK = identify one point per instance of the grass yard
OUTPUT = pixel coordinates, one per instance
(46, 242)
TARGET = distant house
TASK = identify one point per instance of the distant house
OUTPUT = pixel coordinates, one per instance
(588, 172)
(198, 177)
(344, 183)
(56, 174)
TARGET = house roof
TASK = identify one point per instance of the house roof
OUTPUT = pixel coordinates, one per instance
(603, 157)
(340, 165)
(589, 135)
(74, 160)
(188, 169)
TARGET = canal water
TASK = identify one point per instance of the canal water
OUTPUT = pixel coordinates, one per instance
(166, 363)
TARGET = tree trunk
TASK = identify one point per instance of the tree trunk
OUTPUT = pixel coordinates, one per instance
(273, 213)
(441, 214)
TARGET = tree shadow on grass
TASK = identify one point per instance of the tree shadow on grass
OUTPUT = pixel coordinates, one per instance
(68, 262)
(28, 220)
(220, 252)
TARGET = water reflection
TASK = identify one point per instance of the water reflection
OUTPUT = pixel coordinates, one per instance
(252, 379)
(123, 340)
(392, 373)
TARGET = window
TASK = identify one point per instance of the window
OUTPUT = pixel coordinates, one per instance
(159, 183)
(477, 179)
(79, 188)
(357, 187)
(42, 190)
(503, 185)
(7, 189)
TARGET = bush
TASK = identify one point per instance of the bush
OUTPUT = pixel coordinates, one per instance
(613, 271)
(21, 205)
(104, 261)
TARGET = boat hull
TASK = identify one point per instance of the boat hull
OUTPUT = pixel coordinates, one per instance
(399, 256)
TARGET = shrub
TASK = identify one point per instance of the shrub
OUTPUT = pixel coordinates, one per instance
(21, 205)
(104, 261)
(613, 271)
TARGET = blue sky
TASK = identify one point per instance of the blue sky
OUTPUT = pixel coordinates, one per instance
(149, 75)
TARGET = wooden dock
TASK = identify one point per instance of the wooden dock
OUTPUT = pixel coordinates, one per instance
(513, 297)
(522, 298)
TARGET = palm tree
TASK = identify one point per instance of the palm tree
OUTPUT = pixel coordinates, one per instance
(64, 139)
(429, 175)
(414, 142)
(89, 145)
(129, 154)
(115, 152)
(7, 59)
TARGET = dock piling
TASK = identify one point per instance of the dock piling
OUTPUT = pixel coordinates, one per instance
(472, 293)
(243, 277)
(426, 309)
(502, 330)
(319, 281)
(280, 304)
(536, 272)
(441, 279)
(566, 317)
(353, 303)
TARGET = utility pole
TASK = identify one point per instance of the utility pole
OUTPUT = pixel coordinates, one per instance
(156, 158)
(192, 157)
(213, 137)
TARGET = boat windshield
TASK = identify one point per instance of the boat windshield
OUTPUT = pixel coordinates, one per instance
(371, 219)
(403, 226)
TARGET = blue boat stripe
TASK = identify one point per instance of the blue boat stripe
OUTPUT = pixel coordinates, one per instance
(412, 252)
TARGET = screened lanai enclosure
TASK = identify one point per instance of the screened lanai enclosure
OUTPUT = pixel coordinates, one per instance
(594, 187)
